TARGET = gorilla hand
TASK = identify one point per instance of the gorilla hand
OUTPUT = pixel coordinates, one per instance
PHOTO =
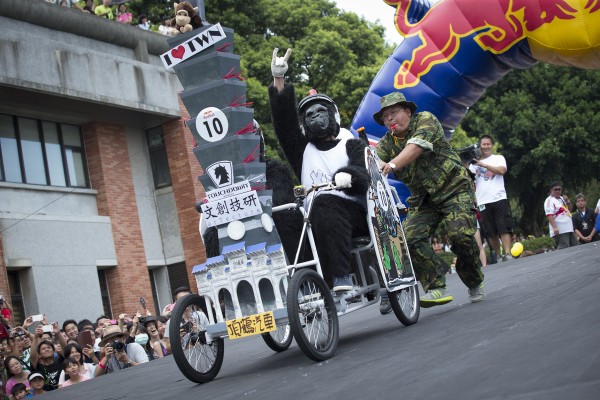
(343, 180)
(279, 65)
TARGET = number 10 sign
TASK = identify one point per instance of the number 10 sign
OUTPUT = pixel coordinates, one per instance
(212, 124)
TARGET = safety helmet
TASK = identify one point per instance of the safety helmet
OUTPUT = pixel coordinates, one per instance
(312, 97)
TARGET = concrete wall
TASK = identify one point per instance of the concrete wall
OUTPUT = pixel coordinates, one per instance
(163, 290)
(156, 208)
(58, 256)
(62, 65)
(87, 60)
(158, 216)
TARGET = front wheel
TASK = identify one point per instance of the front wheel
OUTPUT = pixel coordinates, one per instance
(279, 339)
(405, 303)
(312, 315)
(197, 359)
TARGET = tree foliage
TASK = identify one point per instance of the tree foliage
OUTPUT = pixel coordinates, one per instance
(335, 52)
(547, 127)
(155, 10)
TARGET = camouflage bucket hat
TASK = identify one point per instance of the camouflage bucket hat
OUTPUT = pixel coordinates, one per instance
(390, 100)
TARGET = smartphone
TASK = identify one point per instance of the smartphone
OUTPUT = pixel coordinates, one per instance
(47, 328)
(114, 322)
(84, 338)
(170, 307)
(37, 318)
(143, 302)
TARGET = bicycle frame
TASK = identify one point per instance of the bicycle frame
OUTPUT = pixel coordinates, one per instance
(345, 301)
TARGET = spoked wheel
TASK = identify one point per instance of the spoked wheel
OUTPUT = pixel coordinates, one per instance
(405, 303)
(312, 315)
(279, 339)
(197, 359)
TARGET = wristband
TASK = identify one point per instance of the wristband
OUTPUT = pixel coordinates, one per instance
(102, 366)
(391, 164)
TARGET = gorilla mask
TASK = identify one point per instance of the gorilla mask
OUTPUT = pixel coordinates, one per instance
(318, 117)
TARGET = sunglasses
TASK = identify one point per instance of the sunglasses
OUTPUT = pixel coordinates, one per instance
(557, 188)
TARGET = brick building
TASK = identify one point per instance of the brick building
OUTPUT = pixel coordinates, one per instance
(98, 182)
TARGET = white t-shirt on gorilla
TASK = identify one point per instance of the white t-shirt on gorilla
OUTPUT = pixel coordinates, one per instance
(345, 134)
(320, 167)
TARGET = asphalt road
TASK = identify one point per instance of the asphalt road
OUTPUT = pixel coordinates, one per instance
(536, 336)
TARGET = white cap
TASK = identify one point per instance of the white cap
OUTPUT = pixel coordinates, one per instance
(34, 375)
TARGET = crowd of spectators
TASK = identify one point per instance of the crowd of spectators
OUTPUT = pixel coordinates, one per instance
(568, 224)
(116, 10)
(40, 356)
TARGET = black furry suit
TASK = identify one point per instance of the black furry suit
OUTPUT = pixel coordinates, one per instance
(335, 220)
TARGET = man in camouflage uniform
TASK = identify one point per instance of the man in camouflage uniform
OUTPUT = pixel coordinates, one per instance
(418, 154)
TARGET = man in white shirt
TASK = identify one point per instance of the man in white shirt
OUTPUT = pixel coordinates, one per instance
(496, 220)
(557, 211)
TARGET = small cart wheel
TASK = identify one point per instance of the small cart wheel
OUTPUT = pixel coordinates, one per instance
(279, 339)
(312, 315)
(405, 303)
(198, 359)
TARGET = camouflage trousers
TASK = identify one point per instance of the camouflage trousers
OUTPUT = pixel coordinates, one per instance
(457, 216)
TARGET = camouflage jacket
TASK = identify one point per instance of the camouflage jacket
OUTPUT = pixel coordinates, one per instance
(437, 172)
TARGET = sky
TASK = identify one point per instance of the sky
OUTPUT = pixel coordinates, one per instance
(372, 10)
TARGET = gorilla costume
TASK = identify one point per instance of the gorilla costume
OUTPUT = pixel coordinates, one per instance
(319, 151)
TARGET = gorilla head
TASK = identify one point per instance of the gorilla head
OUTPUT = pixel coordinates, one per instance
(319, 117)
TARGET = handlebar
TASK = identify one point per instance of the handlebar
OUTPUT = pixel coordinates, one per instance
(322, 186)
(301, 195)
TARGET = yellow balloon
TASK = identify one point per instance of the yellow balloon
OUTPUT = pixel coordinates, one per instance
(516, 249)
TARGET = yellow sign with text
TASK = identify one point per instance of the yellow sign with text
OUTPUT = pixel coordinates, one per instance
(251, 325)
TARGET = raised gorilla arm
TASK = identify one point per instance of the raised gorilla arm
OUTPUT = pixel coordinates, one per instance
(355, 149)
(282, 99)
(285, 123)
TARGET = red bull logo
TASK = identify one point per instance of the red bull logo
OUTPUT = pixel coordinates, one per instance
(496, 28)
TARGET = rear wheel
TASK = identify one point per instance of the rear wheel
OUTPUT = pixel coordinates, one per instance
(405, 304)
(279, 339)
(312, 315)
(197, 359)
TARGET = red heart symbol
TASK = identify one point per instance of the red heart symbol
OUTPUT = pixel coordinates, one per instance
(178, 52)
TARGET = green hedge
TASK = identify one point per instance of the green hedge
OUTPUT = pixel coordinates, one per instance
(533, 245)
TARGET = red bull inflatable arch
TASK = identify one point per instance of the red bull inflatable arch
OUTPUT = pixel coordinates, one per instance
(453, 50)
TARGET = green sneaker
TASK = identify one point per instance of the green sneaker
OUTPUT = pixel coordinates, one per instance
(476, 294)
(435, 297)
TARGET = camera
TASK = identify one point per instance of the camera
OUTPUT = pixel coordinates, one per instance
(19, 333)
(470, 153)
(299, 192)
(118, 346)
